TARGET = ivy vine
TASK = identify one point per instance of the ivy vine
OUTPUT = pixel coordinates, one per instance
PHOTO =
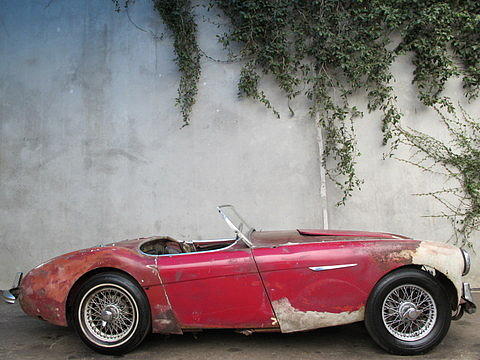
(329, 50)
(177, 15)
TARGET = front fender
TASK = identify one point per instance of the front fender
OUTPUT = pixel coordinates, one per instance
(44, 290)
(445, 258)
(316, 285)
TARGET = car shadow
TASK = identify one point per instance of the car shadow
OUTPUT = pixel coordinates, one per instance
(23, 337)
(334, 340)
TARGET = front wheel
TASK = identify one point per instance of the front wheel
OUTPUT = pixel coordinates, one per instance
(408, 312)
(111, 313)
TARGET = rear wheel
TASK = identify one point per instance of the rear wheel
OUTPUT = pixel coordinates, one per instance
(111, 313)
(408, 312)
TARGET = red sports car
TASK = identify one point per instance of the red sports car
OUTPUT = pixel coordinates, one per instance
(407, 291)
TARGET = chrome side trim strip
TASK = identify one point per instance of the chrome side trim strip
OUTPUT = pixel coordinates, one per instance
(331, 267)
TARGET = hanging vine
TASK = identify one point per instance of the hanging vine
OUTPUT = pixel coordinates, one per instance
(457, 160)
(329, 50)
(177, 15)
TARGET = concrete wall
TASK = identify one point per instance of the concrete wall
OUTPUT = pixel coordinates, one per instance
(91, 149)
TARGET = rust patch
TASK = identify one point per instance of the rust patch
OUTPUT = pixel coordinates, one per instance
(165, 322)
(393, 254)
(442, 257)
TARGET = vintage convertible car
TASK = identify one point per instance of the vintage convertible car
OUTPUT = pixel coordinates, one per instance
(407, 291)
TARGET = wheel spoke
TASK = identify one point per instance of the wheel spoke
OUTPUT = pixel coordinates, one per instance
(109, 313)
(409, 312)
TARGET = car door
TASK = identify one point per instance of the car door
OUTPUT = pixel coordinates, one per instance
(314, 285)
(216, 289)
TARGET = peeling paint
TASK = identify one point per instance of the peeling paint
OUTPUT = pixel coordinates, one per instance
(44, 290)
(442, 257)
(291, 319)
(164, 321)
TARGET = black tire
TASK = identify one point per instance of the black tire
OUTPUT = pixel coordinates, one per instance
(427, 336)
(125, 310)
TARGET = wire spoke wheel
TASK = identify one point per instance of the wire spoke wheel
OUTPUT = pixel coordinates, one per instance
(108, 315)
(409, 312)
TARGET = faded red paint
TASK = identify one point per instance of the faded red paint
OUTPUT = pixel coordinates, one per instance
(218, 289)
(286, 274)
(233, 287)
(44, 290)
(164, 320)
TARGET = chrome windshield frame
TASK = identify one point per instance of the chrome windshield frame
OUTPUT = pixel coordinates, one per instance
(239, 234)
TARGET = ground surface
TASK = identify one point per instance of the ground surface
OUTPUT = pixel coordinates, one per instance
(22, 337)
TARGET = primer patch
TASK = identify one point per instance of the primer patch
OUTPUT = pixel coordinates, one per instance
(445, 258)
(291, 319)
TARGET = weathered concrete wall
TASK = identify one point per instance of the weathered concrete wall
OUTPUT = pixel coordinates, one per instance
(387, 201)
(91, 148)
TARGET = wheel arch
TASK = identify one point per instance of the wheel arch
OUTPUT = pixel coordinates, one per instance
(444, 281)
(375, 321)
(78, 283)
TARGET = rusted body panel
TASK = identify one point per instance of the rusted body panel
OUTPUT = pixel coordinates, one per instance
(164, 320)
(44, 290)
(305, 299)
(289, 279)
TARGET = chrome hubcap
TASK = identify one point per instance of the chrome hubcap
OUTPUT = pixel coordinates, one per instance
(409, 312)
(108, 314)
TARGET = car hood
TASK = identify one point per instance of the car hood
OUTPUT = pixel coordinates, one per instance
(299, 236)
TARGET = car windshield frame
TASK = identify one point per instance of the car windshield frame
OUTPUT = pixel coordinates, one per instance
(239, 226)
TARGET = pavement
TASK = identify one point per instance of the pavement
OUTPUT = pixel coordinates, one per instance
(23, 337)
